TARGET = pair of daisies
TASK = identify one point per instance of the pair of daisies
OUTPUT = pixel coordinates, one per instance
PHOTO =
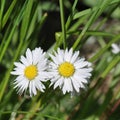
(65, 70)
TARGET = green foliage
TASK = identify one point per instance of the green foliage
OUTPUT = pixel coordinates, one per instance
(92, 30)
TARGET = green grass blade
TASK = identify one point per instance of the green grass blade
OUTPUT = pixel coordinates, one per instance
(84, 12)
(93, 33)
(2, 4)
(96, 56)
(8, 13)
(3, 48)
(26, 20)
(70, 18)
(63, 22)
(95, 14)
(110, 66)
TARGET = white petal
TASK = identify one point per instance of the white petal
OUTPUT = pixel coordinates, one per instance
(43, 76)
(59, 83)
(67, 87)
(42, 65)
(75, 84)
(38, 55)
(60, 55)
(17, 72)
(29, 56)
(24, 61)
(33, 87)
(19, 65)
(54, 59)
(74, 57)
(55, 78)
(68, 55)
(39, 85)
(52, 66)
(21, 85)
(78, 80)
(70, 85)
(79, 64)
(19, 79)
(65, 54)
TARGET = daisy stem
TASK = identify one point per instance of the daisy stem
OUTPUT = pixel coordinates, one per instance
(62, 22)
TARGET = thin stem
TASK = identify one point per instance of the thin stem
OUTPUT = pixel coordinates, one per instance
(2, 4)
(62, 22)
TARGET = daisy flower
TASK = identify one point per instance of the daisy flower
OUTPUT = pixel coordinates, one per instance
(31, 72)
(115, 48)
(68, 71)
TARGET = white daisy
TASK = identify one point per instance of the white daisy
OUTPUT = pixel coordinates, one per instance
(31, 71)
(115, 48)
(68, 71)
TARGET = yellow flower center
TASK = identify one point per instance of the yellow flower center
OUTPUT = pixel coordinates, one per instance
(31, 72)
(66, 69)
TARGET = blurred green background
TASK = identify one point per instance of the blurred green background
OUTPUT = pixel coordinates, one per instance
(91, 27)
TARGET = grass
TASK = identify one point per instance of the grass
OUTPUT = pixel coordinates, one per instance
(91, 30)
